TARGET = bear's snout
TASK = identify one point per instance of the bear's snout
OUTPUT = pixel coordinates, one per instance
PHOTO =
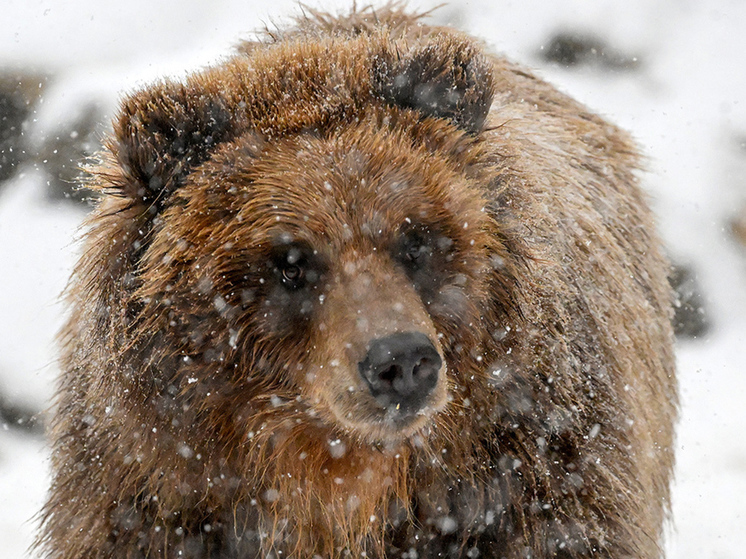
(401, 371)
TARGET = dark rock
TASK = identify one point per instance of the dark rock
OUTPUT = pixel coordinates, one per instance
(19, 93)
(59, 153)
(690, 319)
(63, 154)
(571, 48)
(19, 417)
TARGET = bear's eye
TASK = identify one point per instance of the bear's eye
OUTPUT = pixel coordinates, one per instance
(292, 275)
(292, 266)
(414, 250)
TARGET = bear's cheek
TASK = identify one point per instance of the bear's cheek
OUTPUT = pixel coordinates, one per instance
(283, 313)
(454, 307)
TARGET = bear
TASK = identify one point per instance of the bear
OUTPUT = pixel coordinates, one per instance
(364, 289)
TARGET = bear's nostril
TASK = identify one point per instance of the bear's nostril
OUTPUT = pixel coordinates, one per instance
(401, 370)
(390, 374)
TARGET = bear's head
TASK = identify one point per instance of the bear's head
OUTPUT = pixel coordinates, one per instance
(310, 242)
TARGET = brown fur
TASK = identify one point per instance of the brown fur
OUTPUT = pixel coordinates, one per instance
(207, 411)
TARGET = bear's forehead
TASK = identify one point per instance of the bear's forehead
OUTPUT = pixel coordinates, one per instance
(343, 186)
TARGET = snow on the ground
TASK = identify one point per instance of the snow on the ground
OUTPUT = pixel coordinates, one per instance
(23, 475)
(686, 105)
(37, 250)
(710, 491)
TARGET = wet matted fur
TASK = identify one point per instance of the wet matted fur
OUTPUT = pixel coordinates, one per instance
(349, 178)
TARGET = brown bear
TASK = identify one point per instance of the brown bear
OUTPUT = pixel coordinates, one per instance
(364, 290)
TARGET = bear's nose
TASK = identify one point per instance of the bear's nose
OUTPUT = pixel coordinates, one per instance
(401, 370)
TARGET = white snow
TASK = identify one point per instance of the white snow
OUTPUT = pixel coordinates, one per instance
(37, 253)
(686, 105)
(23, 476)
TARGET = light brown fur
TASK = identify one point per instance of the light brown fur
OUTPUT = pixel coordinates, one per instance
(205, 411)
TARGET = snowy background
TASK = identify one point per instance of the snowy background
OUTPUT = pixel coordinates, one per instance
(674, 73)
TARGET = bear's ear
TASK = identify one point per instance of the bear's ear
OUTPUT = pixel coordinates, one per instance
(163, 133)
(447, 77)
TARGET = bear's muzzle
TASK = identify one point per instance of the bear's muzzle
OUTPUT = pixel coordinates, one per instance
(401, 370)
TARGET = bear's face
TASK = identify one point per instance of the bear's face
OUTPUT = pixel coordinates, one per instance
(312, 243)
(362, 247)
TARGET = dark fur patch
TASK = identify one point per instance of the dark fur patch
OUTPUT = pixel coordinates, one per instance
(164, 132)
(446, 78)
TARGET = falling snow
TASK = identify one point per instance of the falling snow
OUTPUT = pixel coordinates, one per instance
(683, 101)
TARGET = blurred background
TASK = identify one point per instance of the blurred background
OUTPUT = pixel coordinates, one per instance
(673, 72)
